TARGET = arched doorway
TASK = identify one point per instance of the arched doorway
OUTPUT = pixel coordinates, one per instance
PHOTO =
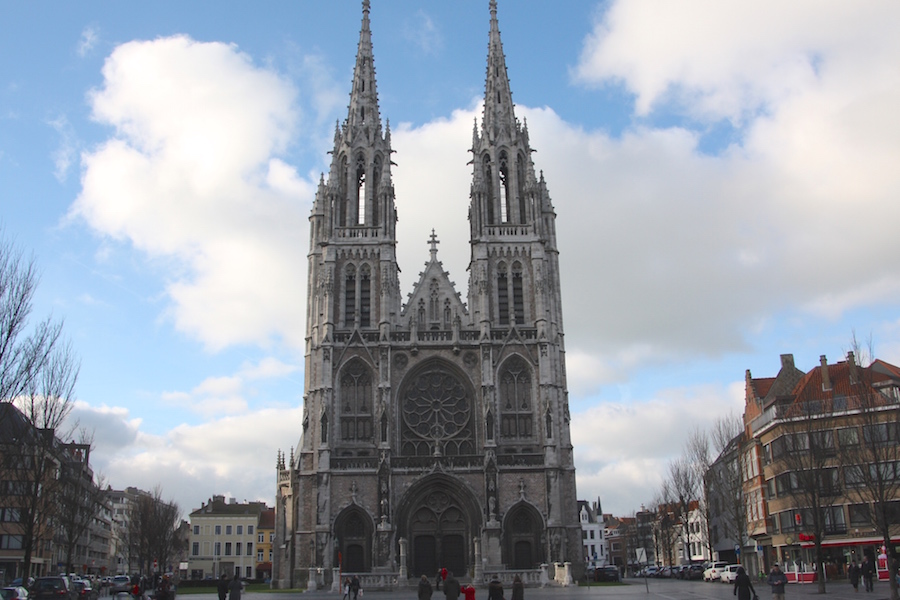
(353, 532)
(440, 518)
(522, 531)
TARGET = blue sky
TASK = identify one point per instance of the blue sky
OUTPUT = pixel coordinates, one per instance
(724, 174)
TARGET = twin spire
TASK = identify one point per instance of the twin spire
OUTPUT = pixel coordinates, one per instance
(363, 93)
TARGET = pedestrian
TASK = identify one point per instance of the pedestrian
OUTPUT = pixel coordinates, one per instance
(777, 579)
(451, 585)
(518, 589)
(354, 587)
(853, 574)
(468, 592)
(868, 574)
(235, 588)
(743, 587)
(222, 587)
(495, 589)
(424, 588)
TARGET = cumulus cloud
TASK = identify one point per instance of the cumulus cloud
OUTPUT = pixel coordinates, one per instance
(622, 449)
(193, 175)
(233, 455)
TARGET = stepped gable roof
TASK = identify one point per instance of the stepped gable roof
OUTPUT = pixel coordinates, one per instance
(434, 277)
(760, 387)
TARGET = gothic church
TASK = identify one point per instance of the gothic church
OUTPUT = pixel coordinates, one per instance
(435, 432)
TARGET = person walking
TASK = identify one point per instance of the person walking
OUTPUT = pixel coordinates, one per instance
(495, 589)
(777, 579)
(222, 587)
(518, 589)
(743, 587)
(235, 588)
(868, 574)
(853, 574)
(354, 587)
(451, 586)
(424, 588)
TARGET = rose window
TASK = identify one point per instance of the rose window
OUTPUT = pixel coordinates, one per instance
(436, 415)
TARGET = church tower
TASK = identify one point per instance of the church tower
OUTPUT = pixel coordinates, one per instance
(435, 433)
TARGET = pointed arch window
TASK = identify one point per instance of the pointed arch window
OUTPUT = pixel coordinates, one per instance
(517, 294)
(365, 296)
(505, 216)
(520, 189)
(489, 181)
(502, 295)
(517, 414)
(376, 182)
(342, 199)
(350, 296)
(360, 191)
(356, 403)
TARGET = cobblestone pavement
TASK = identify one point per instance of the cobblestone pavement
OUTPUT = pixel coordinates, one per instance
(632, 589)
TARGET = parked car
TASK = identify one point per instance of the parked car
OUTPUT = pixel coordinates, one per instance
(693, 572)
(648, 571)
(121, 584)
(84, 590)
(14, 592)
(607, 573)
(52, 588)
(714, 571)
(729, 573)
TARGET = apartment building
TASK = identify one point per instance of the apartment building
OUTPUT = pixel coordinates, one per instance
(224, 538)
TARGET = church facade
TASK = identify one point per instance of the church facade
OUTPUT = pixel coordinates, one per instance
(435, 432)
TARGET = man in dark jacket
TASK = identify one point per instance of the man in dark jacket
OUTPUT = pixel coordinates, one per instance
(777, 579)
(451, 586)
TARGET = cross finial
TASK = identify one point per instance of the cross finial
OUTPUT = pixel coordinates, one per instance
(434, 242)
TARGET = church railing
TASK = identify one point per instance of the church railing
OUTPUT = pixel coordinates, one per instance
(508, 230)
(343, 337)
(520, 460)
(354, 463)
(357, 232)
(416, 463)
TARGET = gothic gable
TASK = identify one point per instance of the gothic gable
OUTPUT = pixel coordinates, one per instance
(434, 302)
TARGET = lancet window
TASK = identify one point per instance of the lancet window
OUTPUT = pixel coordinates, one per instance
(360, 190)
(502, 294)
(517, 413)
(505, 195)
(365, 296)
(356, 403)
(350, 296)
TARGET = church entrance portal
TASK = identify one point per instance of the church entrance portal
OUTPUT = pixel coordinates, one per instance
(440, 523)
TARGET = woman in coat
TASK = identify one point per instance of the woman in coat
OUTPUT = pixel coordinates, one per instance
(424, 588)
(743, 587)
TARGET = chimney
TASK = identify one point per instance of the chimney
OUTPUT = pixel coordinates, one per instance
(854, 373)
(787, 361)
(826, 380)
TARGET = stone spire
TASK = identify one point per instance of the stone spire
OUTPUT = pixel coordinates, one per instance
(498, 104)
(363, 93)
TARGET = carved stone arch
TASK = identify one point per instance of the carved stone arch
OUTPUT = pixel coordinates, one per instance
(440, 516)
(437, 411)
(354, 531)
(522, 531)
(516, 399)
(354, 404)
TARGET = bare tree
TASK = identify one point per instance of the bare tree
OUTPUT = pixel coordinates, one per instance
(79, 498)
(808, 474)
(22, 355)
(869, 450)
(152, 530)
(684, 490)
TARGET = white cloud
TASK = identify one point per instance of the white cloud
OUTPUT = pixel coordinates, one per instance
(622, 449)
(232, 455)
(193, 175)
(67, 150)
(89, 38)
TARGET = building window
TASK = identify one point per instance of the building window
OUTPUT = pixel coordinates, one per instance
(261, 538)
(249, 548)
(502, 295)
(518, 298)
(196, 530)
(237, 548)
(239, 529)
(228, 530)
(218, 549)
(350, 296)
(365, 296)
(259, 556)
(516, 419)
(356, 403)
(218, 530)
(227, 548)
(249, 529)
(248, 571)
(195, 549)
